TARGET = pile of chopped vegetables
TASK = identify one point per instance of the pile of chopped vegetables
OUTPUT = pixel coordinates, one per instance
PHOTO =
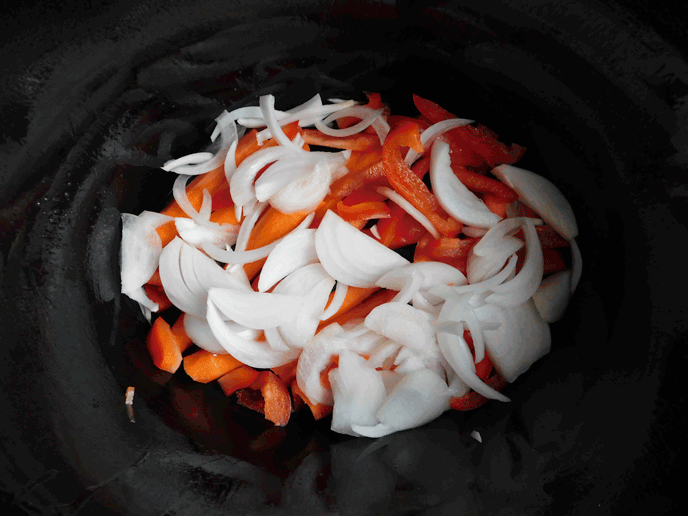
(379, 268)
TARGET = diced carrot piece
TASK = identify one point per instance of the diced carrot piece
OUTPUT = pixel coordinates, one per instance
(286, 372)
(162, 346)
(157, 295)
(239, 378)
(179, 332)
(358, 142)
(155, 279)
(203, 366)
(361, 309)
(319, 410)
(354, 296)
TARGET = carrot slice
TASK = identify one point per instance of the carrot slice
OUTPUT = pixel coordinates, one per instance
(236, 379)
(225, 215)
(362, 307)
(319, 410)
(163, 347)
(358, 142)
(168, 231)
(203, 366)
(179, 332)
(354, 296)
(286, 372)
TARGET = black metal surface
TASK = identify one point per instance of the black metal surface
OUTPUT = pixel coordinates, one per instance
(94, 97)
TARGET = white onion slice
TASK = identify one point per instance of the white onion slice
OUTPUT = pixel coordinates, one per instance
(241, 182)
(418, 398)
(455, 350)
(470, 231)
(173, 282)
(300, 330)
(521, 338)
(337, 301)
(198, 330)
(457, 200)
(362, 386)
(552, 296)
(267, 107)
(576, 264)
(410, 209)
(306, 192)
(147, 306)
(432, 273)
(366, 114)
(542, 196)
(479, 268)
(196, 158)
(179, 193)
(251, 352)
(314, 358)
(196, 235)
(494, 237)
(351, 256)
(256, 309)
(522, 286)
(403, 324)
(275, 340)
(247, 225)
(428, 136)
(140, 251)
(294, 251)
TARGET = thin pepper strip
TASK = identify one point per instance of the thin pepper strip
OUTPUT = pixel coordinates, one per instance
(408, 184)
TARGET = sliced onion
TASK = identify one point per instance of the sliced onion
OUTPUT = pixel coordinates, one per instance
(428, 136)
(251, 217)
(256, 309)
(306, 192)
(173, 282)
(457, 200)
(403, 324)
(432, 273)
(147, 306)
(267, 107)
(337, 301)
(294, 251)
(542, 196)
(446, 292)
(521, 338)
(314, 358)
(362, 387)
(552, 296)
(251, 352)
(198, 330)
(522, 286)
(476, 330)
(418, 398)
(274, 338)
(479, 268)
(494, 237)
(351, 256)
(140, 252)
(455, 350)
(576, 264)
(196, 158)
(457, 387)
(410, 209)
(366, 114)
(470, 231)
(384, 354)
(196, 235)
(241, 182)
(179, 193)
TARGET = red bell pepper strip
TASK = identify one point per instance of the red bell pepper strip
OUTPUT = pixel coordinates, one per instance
(407, 184)
(276, 401)
(479, 183)
(422, 166)
(239, 378)
(553, 261)
(157, 295)
(363, 211)
(358, 142)
(374, 102)
(496, 205)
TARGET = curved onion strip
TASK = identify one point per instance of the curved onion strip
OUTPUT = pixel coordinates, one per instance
(418, 398)
(362, 386)
(375, 232)
(474, 327)
(351, 256)
(250, 352)
(256, 310)
(247, 226)
(542, 196)
(267, 107)
(314, 358)
(552, 296)
(367, 118)
(457, 200)
(337, 301)
(230, 162)
(201, 335)
(179, 193)
(522, 286)
(300, 330)
(196, 158)
(305, 117)
(494, 236)
(229, 135)
(403, 324)
(432, 273)
(409, 290)
(410, 209)
(294, 251)
(420, 302)
(196, 235)
(576, 264)
(428, 136)
(470, 231)
(306, 192)
(210, 274)
(173, 282)
(455, 350)
(521, 338)
(273, 337)
(479, 268)
(146, 304)
(241, 182)
(140, 252)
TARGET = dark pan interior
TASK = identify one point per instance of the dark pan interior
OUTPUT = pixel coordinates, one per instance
(94, 98)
